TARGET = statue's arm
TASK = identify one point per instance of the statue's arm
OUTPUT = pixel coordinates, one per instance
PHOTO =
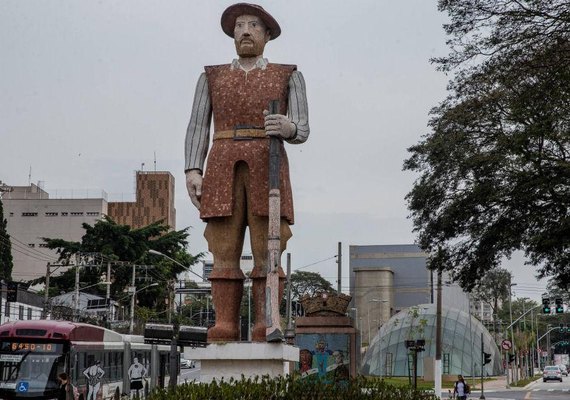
(198, 132)
(298, 109)
(197, 140)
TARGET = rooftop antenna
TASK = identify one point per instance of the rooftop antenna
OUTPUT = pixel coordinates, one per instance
(142, 166)
(155, 161)
(30, 177)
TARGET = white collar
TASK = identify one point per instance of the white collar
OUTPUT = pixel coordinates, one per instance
(260, 63)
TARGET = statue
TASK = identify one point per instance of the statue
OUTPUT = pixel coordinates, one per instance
(233, 192)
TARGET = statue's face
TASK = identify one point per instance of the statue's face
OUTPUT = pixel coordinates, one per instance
(250, 36)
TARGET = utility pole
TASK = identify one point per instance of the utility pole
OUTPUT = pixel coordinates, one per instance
(339, 262)
(437, 367)
(482, 368)
(133, 293)
(76, 300)
(108, 293)
(46, 295)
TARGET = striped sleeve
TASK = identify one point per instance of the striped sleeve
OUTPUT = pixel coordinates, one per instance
(298, 110)
(198, 132)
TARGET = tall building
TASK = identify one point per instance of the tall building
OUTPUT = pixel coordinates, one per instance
(33, 215)
(154, 201)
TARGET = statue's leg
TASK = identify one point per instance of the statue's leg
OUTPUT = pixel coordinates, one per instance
(258, 227)
(225, 237)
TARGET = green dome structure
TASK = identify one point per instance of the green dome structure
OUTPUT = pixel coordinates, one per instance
(461, 343)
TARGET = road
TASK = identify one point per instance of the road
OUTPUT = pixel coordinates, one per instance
(190, 374)
(538, 390)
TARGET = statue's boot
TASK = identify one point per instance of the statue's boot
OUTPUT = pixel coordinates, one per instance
(227, 291)
(258, 293)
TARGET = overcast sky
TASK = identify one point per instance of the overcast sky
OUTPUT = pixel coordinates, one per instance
(91, 90)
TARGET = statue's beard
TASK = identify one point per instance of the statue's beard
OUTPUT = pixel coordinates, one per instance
(252, 49)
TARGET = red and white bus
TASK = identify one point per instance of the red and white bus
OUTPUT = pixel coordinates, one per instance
(102, 364)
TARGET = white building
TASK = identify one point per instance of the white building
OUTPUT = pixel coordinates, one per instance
(33, 215)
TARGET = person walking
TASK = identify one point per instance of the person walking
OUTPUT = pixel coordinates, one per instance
(461, 388)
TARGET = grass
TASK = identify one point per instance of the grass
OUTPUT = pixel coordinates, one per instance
(401, 381)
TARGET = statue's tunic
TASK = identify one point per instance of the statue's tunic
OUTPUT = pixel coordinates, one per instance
(238, 99)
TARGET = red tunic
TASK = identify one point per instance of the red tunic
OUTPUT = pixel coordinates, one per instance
(239, 98)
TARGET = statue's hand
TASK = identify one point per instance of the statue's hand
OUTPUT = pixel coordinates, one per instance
(194, 186)
(279, 125)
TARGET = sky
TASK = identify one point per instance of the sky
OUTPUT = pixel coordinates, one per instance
(91, 91)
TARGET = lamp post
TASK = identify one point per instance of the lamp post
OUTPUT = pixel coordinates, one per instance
(134, 293)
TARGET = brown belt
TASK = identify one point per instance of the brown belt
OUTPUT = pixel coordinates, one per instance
(241, 134)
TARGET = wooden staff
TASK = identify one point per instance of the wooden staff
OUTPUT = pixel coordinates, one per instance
(273, 332)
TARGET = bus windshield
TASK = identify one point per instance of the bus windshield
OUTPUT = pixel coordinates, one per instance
(30, 368)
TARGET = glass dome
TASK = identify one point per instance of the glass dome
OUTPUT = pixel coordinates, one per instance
(461, 343)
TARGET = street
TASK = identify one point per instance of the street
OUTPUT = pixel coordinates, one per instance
(536, 391)
(188, 375)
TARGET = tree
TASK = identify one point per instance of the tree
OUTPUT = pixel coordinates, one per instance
(6, 263)
(120, 243)
(494, 168)
(493, 288)
(308, 283)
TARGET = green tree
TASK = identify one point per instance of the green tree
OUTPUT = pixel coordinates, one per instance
(308, 283)
(494, 168)
(493, 289)
(6, 263)
(124, 247)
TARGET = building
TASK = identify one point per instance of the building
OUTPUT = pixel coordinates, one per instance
(26, 307)
(154, 201)
(386, 279)
(33, 215)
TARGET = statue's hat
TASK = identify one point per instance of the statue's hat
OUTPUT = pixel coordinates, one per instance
(232, 12)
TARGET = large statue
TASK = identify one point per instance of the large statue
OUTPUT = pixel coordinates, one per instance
(233, 193)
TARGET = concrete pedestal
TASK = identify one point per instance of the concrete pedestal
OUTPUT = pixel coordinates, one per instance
(250, 359)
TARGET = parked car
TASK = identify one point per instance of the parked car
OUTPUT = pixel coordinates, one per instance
(184, 363)
(563, 369)
(552, 372)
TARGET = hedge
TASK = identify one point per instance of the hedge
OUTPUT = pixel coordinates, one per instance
(290, 388)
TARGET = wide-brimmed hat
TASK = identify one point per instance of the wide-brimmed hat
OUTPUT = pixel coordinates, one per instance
(231, 13)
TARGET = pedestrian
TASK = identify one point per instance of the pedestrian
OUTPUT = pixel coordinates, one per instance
(461, 389)
(64, 389)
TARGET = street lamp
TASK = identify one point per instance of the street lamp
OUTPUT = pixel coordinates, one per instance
(132, 288)
(158, 253)
(372, 301)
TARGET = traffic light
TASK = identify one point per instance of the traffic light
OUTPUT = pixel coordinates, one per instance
(559, 306)
(511, 358)
(12, 292)
(486, 358)
(546, 306)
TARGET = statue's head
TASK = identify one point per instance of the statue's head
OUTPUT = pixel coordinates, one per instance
(251, 27)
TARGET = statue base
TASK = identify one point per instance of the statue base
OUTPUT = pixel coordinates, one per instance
(234, 359)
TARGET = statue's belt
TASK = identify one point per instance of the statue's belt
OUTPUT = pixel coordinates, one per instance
(242, 133)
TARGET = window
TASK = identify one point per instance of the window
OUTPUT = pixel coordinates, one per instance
(52, 214)
(64, 213)
(21, 313)
(31, 245)
(29, 214)
(29, 313)
(77, 213)
(7, 309)
(93, 213)
(42, 245)
(11, 214)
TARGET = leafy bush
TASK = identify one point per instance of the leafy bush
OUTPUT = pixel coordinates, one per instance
(289, 388)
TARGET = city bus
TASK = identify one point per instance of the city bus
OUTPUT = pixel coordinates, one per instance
(101, 364)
